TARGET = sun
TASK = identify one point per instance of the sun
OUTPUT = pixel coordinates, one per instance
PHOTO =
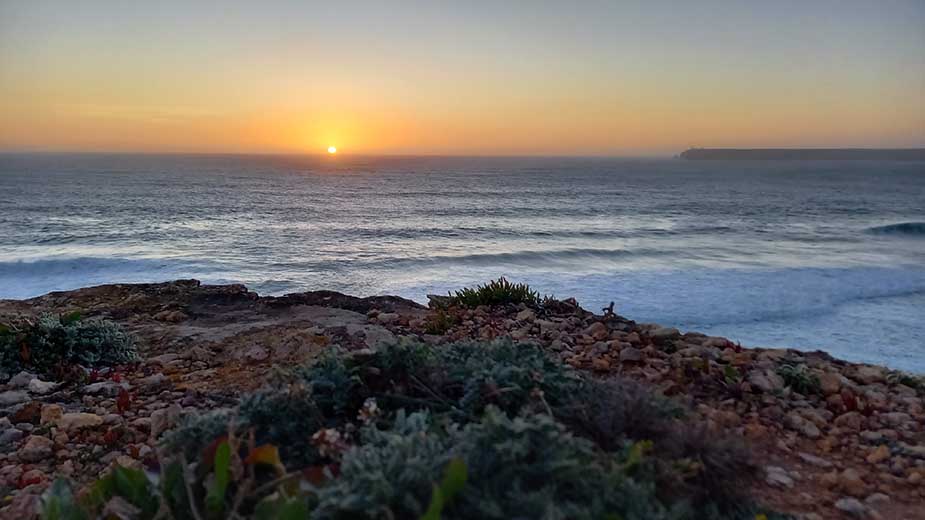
(332, 150)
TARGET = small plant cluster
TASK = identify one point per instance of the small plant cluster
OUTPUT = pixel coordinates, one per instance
(51, 345)
(497, 292)
(800, 378)
(465, 430)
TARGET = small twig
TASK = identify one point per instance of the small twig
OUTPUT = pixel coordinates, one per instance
(263, 488)
(189, 489)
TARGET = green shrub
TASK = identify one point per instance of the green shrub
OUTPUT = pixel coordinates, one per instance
(459, 378)
(466, 430)
(520, 467)
(440, 322)
(51, 344)
(800, 379)
(497, 292)
(283, 415)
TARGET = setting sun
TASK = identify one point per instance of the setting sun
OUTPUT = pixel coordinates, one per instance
(332, 150)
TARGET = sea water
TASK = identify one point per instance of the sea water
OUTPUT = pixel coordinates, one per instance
(810, 255)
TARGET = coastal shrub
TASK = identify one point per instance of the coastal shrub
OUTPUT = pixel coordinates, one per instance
(464, 430)
(497, 292)
(51, 344)
(283, 415)
(705, 467)
(440, 322)
(800, 378)
(459, 378)
(517, 467)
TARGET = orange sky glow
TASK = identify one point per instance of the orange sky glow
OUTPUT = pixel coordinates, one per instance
(530, 79)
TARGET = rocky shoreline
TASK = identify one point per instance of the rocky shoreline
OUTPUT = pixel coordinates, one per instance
(834, 439)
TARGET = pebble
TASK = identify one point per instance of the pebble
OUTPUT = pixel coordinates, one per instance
(37, 386)
(852, 506)
(850, 482)
(765, 380)
(36, 448)
(631, 355)
(879, 454)
(75, 421)
(819, 462)
(51, 413)
(778, 477)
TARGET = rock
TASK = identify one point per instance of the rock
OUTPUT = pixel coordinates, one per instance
(850, 482)
(21, 380)
(598, 331)
(75, 421)
(600, 364)
(154, 382)
(877, 499)
(107, 388)
(33, 476)
(526, 315)
(662, 334)
(253, 354)
(37, 386)
(388, 318)
(830, 383)
(631, 355)
(819, 462)
(28, 413)
(871, 436)
(879, 454)
(163, 359)
(765, 380)
(118, 508)
(868, 375)
(778, 477)
(895, 418)
(197, 354)
(852, 506)
(9, 437)
(849, 420)
(917, 451)
(799, 424)
(11, 397)
(35, 449)
(170, 316)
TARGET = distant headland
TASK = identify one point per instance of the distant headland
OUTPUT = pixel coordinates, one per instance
(806, 154)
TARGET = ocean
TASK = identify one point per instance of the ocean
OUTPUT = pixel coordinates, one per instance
(809, 255)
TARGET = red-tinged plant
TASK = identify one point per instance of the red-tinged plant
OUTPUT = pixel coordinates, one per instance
(123, 401)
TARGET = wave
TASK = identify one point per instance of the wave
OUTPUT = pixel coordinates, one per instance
(905, 228)
(29, 278)
(531, 258)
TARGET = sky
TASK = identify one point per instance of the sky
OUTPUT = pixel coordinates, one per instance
(469, 78)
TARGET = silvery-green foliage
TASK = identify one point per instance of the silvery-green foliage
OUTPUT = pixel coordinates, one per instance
(52, 342)
(521, 467)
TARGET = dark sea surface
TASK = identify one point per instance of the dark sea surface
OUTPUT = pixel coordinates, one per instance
(810, 255)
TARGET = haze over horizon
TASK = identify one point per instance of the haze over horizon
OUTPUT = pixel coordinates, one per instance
(523, 78)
